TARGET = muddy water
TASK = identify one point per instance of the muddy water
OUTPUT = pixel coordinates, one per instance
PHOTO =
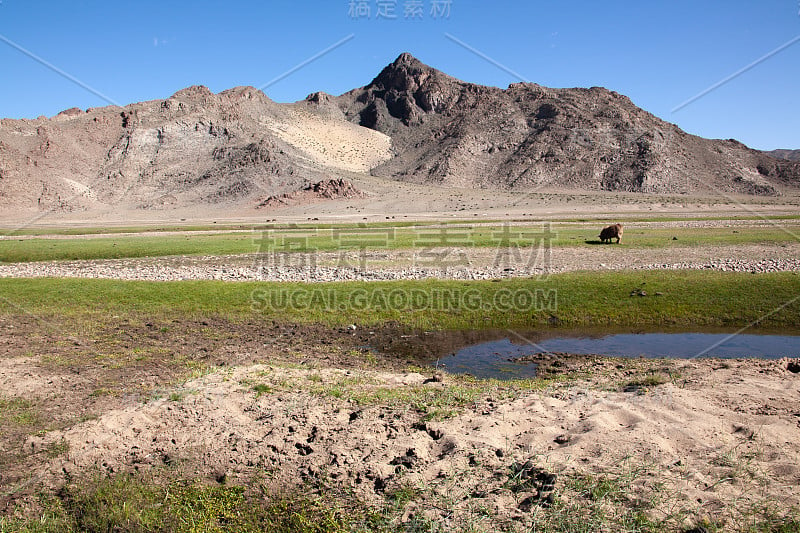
(493, 354)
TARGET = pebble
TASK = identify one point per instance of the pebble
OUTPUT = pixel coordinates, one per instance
(153, 270)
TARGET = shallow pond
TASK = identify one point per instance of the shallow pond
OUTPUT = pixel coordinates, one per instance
(495, 358)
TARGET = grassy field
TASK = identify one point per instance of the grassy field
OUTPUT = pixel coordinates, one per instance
(89, 230)
(673, 299)
(373, 237)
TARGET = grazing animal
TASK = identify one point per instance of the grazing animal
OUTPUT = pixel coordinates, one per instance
(613, 231)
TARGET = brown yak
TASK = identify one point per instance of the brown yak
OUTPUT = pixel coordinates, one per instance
(613, 231)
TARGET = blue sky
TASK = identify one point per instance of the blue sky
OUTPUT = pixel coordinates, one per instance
(659, 53)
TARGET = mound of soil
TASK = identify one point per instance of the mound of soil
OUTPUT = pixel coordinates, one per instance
(331, 189)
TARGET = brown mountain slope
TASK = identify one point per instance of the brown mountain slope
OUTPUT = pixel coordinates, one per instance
(526, 137)
(791, 155)
(194, 148)
(411, 123)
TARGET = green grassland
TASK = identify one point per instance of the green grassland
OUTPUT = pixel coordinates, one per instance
(673, 299)
(374, 237)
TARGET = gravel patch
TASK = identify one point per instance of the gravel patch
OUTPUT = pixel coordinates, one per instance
(449, 263)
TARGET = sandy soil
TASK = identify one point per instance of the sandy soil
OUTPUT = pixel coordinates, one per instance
(717, 433)
(334, 143)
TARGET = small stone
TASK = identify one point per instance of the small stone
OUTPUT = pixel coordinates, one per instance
(562, 439)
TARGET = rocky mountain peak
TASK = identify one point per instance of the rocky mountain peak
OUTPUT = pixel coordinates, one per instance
(401, 95)
(245, 92)
(195, 92)
(448, 131)
(406, 73)
(406, 59)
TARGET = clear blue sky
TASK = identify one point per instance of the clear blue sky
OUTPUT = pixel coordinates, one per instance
(659, 53)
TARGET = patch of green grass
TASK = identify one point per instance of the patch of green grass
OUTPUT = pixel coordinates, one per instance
(644, 382)
(433, 402)
(693, 299)
(262, 388)
(18, 411)
(125, 246)
(630, 499)
(134, 503)
(196, 228)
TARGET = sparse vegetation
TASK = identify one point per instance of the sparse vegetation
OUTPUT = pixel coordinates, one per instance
(138, 503)
(395, 236)
(18, 412)
(581, 502)
(644, 382)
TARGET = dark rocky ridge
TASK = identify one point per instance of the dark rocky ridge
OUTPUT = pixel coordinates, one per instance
(526, 137)
(331, 189)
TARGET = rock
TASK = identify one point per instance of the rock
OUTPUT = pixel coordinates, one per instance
(793, 366)
(562, 439)
(331, 189)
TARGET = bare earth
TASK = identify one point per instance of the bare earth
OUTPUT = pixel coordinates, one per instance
(716, 433)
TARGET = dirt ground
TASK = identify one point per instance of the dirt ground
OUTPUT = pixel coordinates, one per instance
(305, 404)
(392, 200)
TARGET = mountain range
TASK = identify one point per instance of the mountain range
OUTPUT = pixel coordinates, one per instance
(411, 123)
